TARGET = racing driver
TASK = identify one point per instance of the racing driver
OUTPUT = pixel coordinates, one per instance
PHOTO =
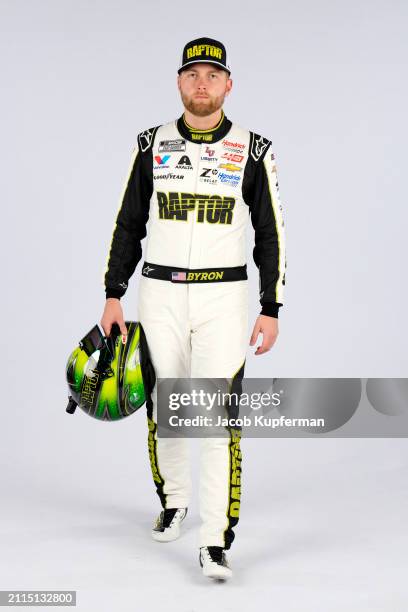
(192, 185)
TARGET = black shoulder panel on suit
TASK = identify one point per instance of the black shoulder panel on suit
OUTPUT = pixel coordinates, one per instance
(258, 146)
(146, 139)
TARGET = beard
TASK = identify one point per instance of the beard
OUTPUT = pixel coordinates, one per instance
(203, 108)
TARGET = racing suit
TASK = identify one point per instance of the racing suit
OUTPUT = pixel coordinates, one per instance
(192, 191)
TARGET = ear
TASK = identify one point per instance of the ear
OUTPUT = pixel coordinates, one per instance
(229, 86)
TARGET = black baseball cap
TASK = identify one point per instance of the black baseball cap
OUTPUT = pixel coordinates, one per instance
(204, 50)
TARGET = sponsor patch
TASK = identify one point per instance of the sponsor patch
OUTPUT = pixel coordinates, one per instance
(209, 175)
(184, 163)
(169, 175)
(235, 147)
(177, 144)
(230, 179)
(233, 157)
(230, 167)
(202, 137)
(161, 161)
(209, 155)
(207, 208)
(197, 50)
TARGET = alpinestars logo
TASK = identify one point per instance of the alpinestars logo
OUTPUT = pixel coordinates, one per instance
(147, 269)
(258, 146)
(145, 138)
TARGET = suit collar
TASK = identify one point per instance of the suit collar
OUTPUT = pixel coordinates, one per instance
(204, 136)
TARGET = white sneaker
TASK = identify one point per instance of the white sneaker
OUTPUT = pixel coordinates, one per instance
(167, 525)
(214, 562)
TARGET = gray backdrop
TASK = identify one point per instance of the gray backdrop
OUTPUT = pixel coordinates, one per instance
(327, 83)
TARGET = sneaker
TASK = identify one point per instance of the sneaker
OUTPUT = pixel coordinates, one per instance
(214, 562)
(167, 526)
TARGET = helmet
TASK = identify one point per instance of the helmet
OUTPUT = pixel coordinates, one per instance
(110, 380)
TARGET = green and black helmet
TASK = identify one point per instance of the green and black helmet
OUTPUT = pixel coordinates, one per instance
(110, 380)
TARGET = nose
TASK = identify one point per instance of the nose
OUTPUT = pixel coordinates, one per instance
(201, 84)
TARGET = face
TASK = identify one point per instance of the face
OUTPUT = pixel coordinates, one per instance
(203, 88)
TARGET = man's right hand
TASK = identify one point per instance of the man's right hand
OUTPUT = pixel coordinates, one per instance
(113, 314)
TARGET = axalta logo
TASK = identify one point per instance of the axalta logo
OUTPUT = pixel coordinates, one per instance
(230, 167)
(197, 50)
(233, 145)
(184, 163)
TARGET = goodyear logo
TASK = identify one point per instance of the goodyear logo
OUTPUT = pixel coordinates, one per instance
(197, 50)
(230, 167)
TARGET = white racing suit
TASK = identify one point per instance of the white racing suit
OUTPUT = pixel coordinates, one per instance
(192, 192)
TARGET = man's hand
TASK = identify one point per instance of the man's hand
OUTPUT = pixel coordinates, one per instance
(268, 326)
(113, 314)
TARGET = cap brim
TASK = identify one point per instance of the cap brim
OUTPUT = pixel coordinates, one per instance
(206, 61)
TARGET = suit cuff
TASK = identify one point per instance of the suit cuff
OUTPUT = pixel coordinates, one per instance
(114, 293)
(270, 309)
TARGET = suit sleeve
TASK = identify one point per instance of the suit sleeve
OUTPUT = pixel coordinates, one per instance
(267, 220)
(130, 227)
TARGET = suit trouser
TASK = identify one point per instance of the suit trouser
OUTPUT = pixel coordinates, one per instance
(198, 331)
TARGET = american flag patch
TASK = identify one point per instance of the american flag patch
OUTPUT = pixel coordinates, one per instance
(178, 276)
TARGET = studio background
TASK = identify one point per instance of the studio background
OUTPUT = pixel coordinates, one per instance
(326, 83)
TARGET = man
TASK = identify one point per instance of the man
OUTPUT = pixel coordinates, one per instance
(197, 180)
